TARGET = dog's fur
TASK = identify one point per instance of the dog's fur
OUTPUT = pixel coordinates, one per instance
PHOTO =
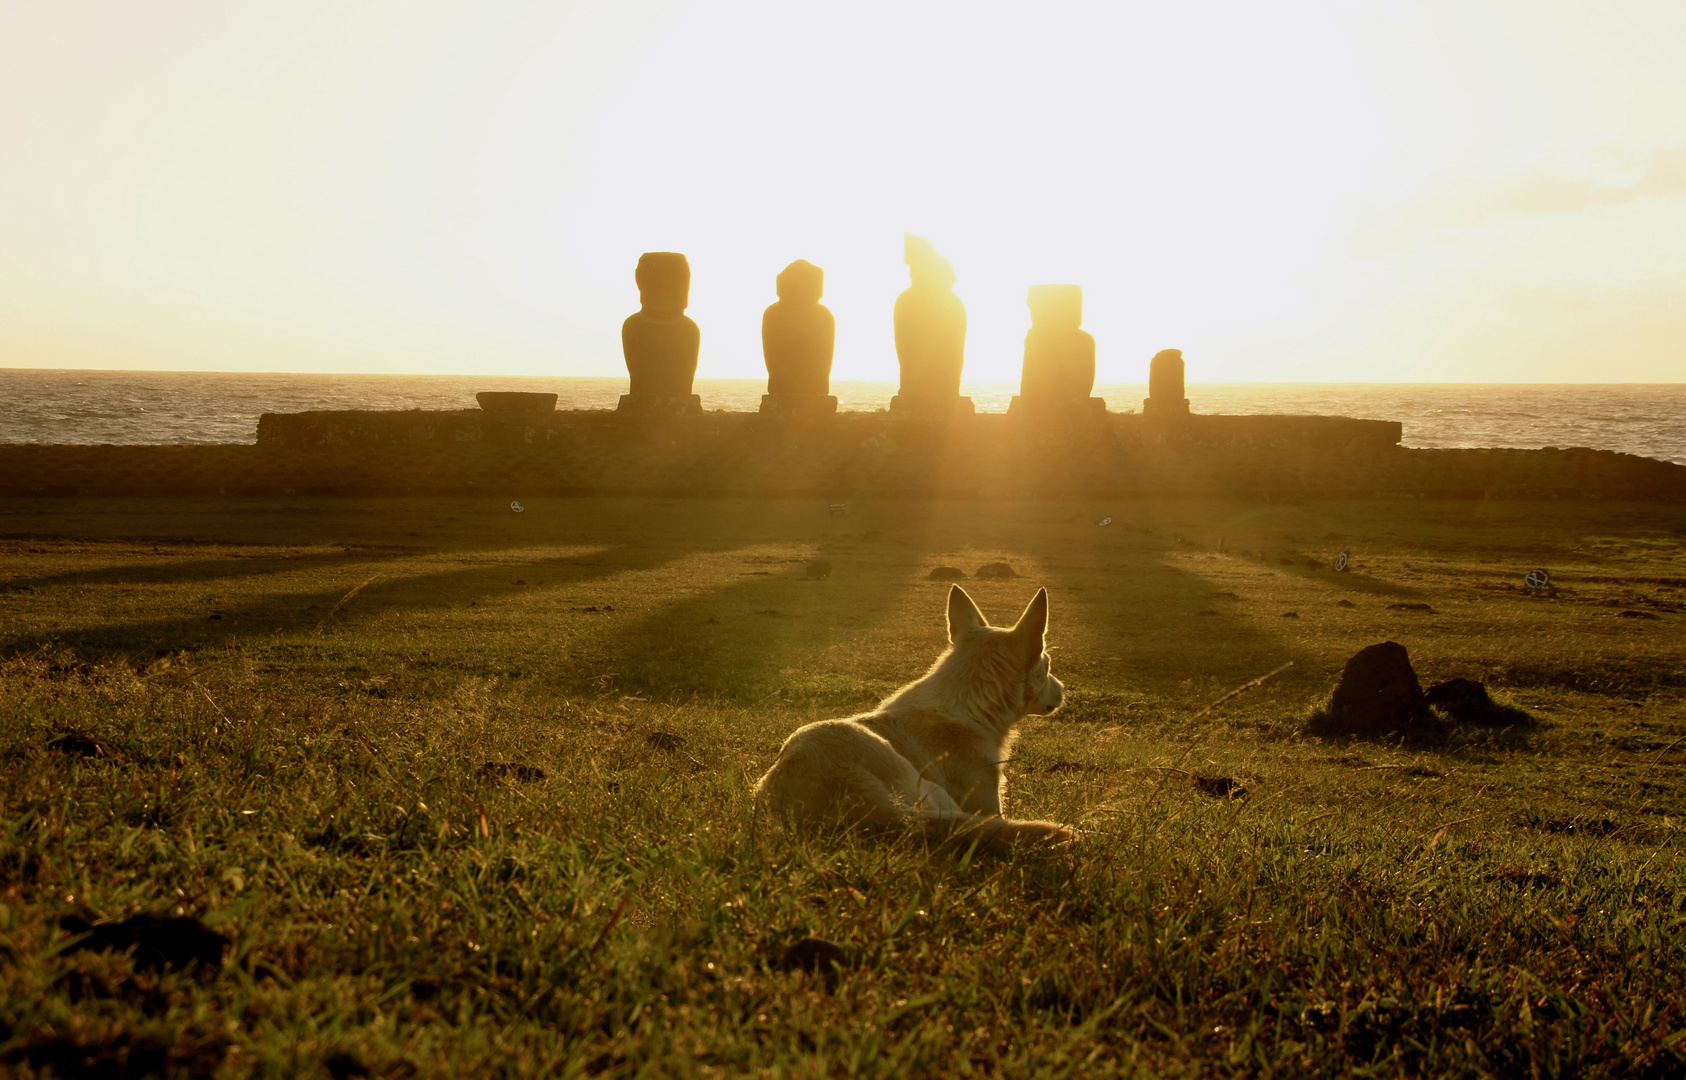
(930, 757)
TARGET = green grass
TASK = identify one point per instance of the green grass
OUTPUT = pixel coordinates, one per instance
(303, 770)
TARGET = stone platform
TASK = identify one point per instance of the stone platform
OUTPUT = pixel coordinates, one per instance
(850, 454)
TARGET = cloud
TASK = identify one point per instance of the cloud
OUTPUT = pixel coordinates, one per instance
(1461, 198)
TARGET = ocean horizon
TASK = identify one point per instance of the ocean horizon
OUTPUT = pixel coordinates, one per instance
(45, 405)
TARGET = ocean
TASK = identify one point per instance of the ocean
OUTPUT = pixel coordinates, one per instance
(55, 406)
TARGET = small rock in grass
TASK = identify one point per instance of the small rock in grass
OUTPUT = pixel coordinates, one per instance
(158, 943)
(815, 955)
(1220, 787)
(665, 740)
(1290, 614)
(510, 770)
(1411, 607)
(1345, 603)
(1456, 696)
(76, 744)
(818, 569)
(1205, 611)
(996, 571)
(1467, 702)
(945, 573)
(1584, 826)
(1632, 614)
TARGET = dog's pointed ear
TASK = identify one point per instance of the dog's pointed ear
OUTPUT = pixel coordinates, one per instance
(1031, 631)
(963, 615)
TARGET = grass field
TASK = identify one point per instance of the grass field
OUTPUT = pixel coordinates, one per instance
(296, 700)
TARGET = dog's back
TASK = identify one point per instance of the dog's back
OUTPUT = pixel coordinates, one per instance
(929, 757)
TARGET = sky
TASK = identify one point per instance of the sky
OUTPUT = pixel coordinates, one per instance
(1304, 190)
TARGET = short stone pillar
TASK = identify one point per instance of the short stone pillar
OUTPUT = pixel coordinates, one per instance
(930, 336)
(1059, 356)
(798, 335)
(660, 342)
(1165, 386)
(512, 416)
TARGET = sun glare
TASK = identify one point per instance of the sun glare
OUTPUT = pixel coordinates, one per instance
(428, 186)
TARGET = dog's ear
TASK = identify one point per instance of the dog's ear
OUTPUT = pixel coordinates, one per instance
(1031, 631)
(963, 615)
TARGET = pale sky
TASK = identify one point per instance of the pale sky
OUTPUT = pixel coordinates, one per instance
(1300, 190)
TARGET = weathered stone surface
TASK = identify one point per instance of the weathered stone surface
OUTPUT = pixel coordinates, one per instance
(660, 342)
(798, 334)
(1165, 385)
(1059, 356)
(1379, 695)
(931, 406)
(996, 571)
(512, 401)
(930, 325)
(798, 406)
(578, 451)
(945, 573)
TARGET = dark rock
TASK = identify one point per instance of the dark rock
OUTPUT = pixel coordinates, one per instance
(1290, 614)
(1411, 607)
(816, 955)
(509, 770)
(1220, 787)
(1631, 614)
(1457, 697)
(1345, 603)
(945, 573)
(996, 571)
(76, 744)
(665, 740)
(1378, 695)
(157, 943)
(1467, 702)
(819, 568)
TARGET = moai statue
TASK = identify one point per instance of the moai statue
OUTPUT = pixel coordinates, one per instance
(930, 335)
(797, 338)
(1165, 385)
(660, 342)
(1059, 356)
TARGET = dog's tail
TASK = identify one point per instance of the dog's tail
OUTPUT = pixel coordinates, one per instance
(997, 835)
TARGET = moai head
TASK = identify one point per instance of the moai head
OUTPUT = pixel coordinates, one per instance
(801, 283)
(928, 269)
(664, 282)
(1056, 307)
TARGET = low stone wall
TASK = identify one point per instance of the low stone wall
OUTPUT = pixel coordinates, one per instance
(851, 454)
(376, 429)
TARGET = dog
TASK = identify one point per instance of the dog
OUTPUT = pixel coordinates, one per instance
(929, 758)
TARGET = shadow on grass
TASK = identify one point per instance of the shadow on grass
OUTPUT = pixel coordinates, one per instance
(294, 612)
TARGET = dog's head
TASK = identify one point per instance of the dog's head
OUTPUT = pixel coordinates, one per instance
(1015, 660)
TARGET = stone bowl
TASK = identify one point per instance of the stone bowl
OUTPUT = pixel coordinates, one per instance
(511, 401)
